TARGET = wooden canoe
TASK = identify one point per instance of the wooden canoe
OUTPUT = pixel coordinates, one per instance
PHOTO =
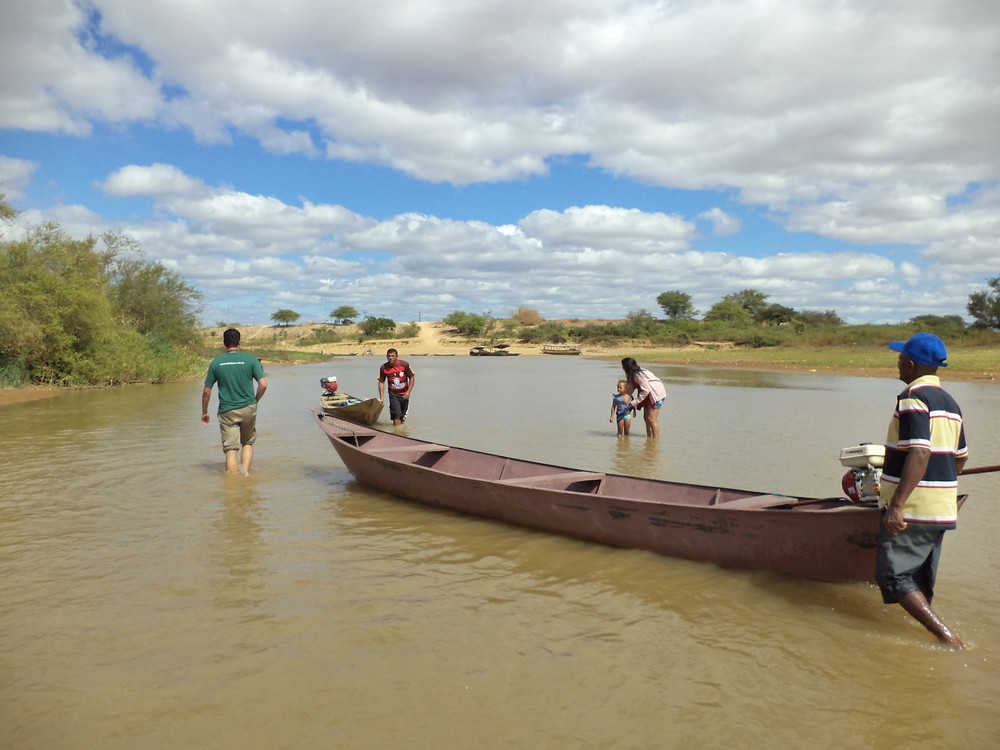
(829, 539)
(357, 410)
(560, 349)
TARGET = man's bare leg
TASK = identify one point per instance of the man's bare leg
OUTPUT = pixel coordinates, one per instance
(246, 459)
(917, 605)
(232, 462)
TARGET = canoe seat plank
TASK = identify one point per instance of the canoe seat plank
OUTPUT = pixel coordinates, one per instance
(421, 448)
(567, 476)
(758, 501)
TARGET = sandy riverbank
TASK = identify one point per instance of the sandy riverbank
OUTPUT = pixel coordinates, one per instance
(435, 339)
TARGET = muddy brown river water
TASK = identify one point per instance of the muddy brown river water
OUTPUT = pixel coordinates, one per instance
(149, 601)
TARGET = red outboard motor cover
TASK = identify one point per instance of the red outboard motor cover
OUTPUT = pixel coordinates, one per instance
(850, 485)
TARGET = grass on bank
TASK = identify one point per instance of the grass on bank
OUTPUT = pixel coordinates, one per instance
(966, 363)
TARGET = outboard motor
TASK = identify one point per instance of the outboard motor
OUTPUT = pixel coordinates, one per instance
(864, 473)
(329, 384)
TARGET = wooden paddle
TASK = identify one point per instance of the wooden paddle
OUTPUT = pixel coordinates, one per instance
(981, 469)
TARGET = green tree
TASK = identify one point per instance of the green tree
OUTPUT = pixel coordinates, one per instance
(729, 310)
(7, 212)
(984, 306)
(149, 297)
(344, 314)
(54, 309)
(60, 320)
(285, 317)
(817, 318)
(469, 323)
(751, 300)
(551, 331)
(775, 315)
(642, 315)
(676, 305)
(455, 319)
(640, 324)
(372, 326)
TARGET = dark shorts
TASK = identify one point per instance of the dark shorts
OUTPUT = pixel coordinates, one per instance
(238, 427)
(908, 561)
(397, 406)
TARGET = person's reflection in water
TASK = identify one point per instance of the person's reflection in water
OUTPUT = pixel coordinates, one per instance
(640, 459)
(237, 548)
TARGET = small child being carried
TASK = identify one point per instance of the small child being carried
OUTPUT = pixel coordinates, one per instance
(622, 409)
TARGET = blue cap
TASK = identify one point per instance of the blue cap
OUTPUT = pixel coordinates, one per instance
(924, 349)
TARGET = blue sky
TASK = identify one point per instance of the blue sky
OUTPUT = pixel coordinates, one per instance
(411, 159)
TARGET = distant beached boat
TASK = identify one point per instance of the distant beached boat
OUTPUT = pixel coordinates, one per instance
(500, 350)
(560, 349)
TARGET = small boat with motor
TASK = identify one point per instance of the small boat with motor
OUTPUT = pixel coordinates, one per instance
(363, 411)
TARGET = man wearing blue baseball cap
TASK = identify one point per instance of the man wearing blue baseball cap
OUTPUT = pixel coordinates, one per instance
(925, 452)
(924, 349)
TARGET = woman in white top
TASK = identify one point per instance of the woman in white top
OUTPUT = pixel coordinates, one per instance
(649, 394)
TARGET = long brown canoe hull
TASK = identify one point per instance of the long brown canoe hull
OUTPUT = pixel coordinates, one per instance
(828, 539)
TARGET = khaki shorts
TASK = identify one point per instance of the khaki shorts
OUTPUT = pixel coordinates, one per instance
(238, 427)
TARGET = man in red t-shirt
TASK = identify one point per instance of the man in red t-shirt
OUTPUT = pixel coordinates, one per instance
(397, 373)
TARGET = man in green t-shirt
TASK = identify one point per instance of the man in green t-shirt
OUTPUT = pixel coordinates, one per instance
(235, 372)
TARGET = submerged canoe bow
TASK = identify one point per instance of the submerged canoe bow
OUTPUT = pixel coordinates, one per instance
(829, 539)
